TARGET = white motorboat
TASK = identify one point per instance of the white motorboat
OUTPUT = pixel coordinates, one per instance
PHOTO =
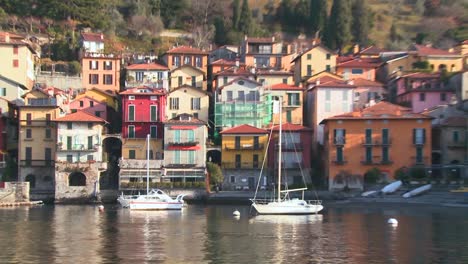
(154, 199)
(417, 191)
(284, 204)
(392, 187)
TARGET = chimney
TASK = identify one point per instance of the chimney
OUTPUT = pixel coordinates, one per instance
(237, 62)
(350, 82)
(371, 102)
(273, 39)
(102, 36)
(356, 49)
(317, 82)
(7, 37)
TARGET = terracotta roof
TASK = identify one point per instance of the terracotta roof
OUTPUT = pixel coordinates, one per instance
(290, 127)
(358, 62)
(147, 66)
(186, 50)
(430, 51)
(421, 75)
(192, 121)
(283, 86)
(381, 110)
(371, 50)
(244, 129)
(330, 81)
(455, 121)
(311, 48)
(235, 72)
(260, 40)
(94, 37)
(360, 82)
(148, 91)
(80, 116)
(226, 62)
(188, 66)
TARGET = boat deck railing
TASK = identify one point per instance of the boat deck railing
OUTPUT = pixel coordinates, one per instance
(266, 201)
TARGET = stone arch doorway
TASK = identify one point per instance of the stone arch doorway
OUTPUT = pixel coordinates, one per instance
(77, 179)
(214, 156)
(31, 178)
(112, 146)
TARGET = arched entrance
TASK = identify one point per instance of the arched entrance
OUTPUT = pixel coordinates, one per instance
(214, 156)
(112, 146)
(77, 179)
(32, 180)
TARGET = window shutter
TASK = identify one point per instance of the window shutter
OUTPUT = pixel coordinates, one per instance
(424, 135)
(334, 135)
(344, 136)
(414, 135)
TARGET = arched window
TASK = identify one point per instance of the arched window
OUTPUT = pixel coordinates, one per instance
(32, 180)
(77, 179)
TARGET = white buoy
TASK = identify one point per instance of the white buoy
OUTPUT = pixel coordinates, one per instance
(236, 213)
(101, 208)
(392, 221)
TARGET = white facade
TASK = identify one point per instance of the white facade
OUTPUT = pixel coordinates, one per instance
(327, 102)
(80, 143)
(242, 90)
(152, 78)
(93, 46)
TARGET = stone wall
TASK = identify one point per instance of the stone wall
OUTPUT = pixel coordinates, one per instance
(14, 192)
(89, 192)
(60, 81)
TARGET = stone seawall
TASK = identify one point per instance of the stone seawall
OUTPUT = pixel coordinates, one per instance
(14, 192)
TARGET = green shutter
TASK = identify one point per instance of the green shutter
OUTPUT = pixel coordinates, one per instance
(153, 113)
(131, 113)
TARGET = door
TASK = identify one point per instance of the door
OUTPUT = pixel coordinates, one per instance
(251, 183)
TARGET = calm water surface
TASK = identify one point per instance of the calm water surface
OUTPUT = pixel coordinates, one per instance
(210, 234)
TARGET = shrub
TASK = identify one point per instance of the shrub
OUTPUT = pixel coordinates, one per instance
(372, 175)
(402, 174)
(418, 173)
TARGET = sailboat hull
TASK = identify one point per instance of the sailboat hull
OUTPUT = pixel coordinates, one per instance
(288, 207)
(155, 200)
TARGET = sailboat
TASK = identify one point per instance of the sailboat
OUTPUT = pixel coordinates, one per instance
(154, 199)
(284, 204)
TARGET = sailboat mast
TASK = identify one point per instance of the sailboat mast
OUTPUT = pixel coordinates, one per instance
(147, 162)
(280, 148)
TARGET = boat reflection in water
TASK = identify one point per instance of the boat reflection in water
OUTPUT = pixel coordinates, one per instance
(288, 219)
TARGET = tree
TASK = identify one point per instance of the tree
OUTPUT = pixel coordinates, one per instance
(216, 175)
(393, 33)
(318, 15)
(361, 25)
(235, 14)
(340, 24)
(245, 22)
(220, 31)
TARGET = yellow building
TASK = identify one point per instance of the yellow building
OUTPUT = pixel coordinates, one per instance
(18, 59)
(271, 77)
(312, 61)
(109, 98)
(243, 150)
(37, 140)
(438, 59)
(190, 100)
(292, 98)
(188, 75)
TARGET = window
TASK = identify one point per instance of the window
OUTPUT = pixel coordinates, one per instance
(180, 80)
(48, 156)
(153, 131)
(309, 56)
(28, 119)
(139, 75)
(48, 133)
(94, 79)
(70, 158)
(3, 92)
(237, 142)
(69, 125)
(131, 97)
(198, 62)
(455, 136)
(255, 161)
(241, 96)
(327, 106)
(93, 65)
(443, 97)
(309, 70)
(385, 157)
(368, 154)
(262, 81)
(191, 157)
(177, 157)
(225, 79)
(385, 139)
(90, 142)
(174, 103)
(188, 60)
(328, 56)
(419, 155)
(108, 65)
(28, 133)
(131, 154)
(90, 157)
(47, 119)
(90, 125)
(229, 96)
(339, 154)
(81, 103)
(289, 116)
(419, 136)
(131, 113)
(356, 71)
(285, 80)
(422, 97)
(97, 113)
(91, 103)
(327, 95)
(232, 179)
(15, 49)
(176, 61)
(195, 103)
(328, 68)
(131, 131)
(15, 63)
(368, 136)
(345, 95)
(194, 81)
(108, 79)
(238, 161)
(69, 143)
(195, 115)
(28, 155)
(293, 99)
(339, 136)
(154, 111)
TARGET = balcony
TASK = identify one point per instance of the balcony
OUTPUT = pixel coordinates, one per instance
(37, 163)
(183, 142)
(290, 146)
(240, 165)
(376, 141)
(290, 165)
(339, 141)
(376, 160)
(456, 144)
(180, 166)
(139, 164)
(419, 142)
(339, 162)
(244, 147)
(420, 161)
(76, 148)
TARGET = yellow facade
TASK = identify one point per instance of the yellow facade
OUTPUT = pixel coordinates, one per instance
(271, 79)
(242, 151)
(18, 63)
(313, 61)
(186, 96)
(187, 75)
(139, 146)
(100, 96)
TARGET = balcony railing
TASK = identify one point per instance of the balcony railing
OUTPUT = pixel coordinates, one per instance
(180, 166)
(139, 164)
(418, 141)
(244, 147)
(340, 162)
(290, 165)
(420, 160)
(290, 146)
(37, 163)
(456, 144)
(339, 141)
(76, 147)
(183, 142)
(241, 165)
(376, 141)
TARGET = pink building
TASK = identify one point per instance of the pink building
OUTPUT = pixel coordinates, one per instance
(352, 68)
(91, 106)
(421, 91)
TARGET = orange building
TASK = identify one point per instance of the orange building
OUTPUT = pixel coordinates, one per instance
(101, 71)
(383, 136)
(184, 55)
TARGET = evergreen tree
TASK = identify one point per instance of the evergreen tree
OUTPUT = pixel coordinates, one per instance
(361, 26)
(393, 33)
(340, 24)
(285, 15)
(318, 15)
(220, 31)
(235, 14)
(245, 21)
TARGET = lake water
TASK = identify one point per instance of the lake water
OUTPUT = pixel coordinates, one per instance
(210, 234)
